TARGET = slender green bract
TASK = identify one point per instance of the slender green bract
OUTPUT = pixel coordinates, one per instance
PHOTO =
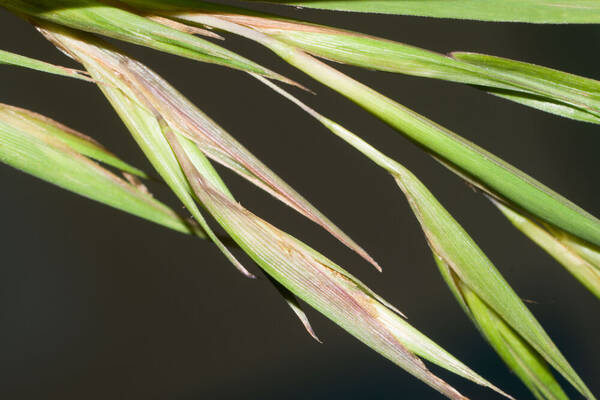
(533, 11)
(47, 153)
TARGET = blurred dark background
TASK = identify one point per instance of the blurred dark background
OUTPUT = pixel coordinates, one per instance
(97, 304)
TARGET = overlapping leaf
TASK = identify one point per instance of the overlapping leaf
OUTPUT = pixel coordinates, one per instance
(534, 11)
(102, 18)
(473, 163)
(52, 152)
(480, 289)
(298, 268)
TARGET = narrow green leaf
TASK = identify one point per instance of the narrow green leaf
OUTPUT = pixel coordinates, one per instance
(579, 92)
(34, 150)
(539, 87)
(546, 104)
(480, 289)
(516, 353)
(29, 121)
(533, 11)
(101, 18)
(9, 58)
(187, 120)
(471, 162)
(582, 260)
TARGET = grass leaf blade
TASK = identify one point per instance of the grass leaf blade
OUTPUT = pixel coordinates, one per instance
(34, 151)
(27, 120)
(539, 87)
(532, 11)
(582, 260)
(101, 18)
(542, 88)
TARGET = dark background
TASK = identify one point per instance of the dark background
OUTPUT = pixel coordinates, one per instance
(97, 304)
